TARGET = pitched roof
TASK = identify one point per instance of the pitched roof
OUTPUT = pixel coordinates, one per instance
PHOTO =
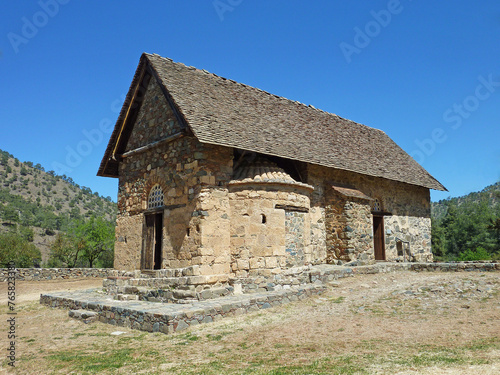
(224, 112)
(351, 192)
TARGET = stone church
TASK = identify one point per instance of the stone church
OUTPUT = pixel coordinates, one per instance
(235, 180)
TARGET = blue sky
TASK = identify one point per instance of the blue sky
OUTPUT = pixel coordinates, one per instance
(425, 72)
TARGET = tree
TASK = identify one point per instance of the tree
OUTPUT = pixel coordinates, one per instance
(494, 227)
(65, 251)
(468, 229)
(98, 237)
(39, 167)
(4, 159)
(16, 249)
(27, 233)
(87, 243)
(10, 214)
(438, 239)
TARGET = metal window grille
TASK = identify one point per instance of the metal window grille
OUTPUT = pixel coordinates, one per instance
(155, 197)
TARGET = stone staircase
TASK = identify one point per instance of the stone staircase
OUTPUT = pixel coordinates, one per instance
(181, 285)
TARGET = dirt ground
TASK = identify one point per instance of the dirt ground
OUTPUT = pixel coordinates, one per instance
(394, 323)
(27, 291)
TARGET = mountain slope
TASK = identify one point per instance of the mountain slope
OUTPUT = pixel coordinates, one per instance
(39, 204)
(490, 195)
(467, 227)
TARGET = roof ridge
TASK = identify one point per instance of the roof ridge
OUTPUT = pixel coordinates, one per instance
(264, 91)
(243, 84)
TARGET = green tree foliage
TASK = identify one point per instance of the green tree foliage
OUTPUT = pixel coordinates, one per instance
(29, 213)
(15, 248)
(88, 243)
(468, 228)
(32, 199)
(65, 251)
(27, 233)
(98, 238)
(9, 213)
(479, 254)
(4, 158)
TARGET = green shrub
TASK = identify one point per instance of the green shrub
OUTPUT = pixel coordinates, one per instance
(15, 248)
(479, 254)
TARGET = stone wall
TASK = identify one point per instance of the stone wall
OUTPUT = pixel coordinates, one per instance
(396, 197)
(295, 238)
(349, 229)
(128, 242)
(194, 214)
(39, 274)
(184, 168)
(348, 222)
(214, 251)
(414, 230)
(155, 119)
(258, 231)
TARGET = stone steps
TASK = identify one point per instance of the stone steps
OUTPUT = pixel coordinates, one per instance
(154, 286)
(179, 295)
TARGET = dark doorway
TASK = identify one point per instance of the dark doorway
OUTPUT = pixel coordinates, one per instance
(152, 241)
(378, 237)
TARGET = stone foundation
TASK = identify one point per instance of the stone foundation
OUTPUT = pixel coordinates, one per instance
(170, 318)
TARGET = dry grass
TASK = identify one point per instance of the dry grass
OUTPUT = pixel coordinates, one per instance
(406, 323)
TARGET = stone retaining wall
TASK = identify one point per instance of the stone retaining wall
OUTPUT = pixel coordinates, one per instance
(38, 274)
(300, 274)
(262, 281)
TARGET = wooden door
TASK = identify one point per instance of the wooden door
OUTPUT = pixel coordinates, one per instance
(152, 242)
(378, 237)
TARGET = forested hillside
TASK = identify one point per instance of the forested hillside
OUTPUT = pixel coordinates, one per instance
(38, 207)
(468, 227)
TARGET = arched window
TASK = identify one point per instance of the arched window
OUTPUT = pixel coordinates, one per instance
(377, 207)
(155, 198)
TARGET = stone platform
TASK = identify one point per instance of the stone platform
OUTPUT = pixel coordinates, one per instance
(291, 285)
(171, 317)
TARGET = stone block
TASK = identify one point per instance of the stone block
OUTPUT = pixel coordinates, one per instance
(206, 294)
(180, 326)
(241, 274)
(257, 262)
(243, 264)
(221, 268)
(271, 262)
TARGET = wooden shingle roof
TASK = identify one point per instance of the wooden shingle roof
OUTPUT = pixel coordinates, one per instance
(224, 112)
